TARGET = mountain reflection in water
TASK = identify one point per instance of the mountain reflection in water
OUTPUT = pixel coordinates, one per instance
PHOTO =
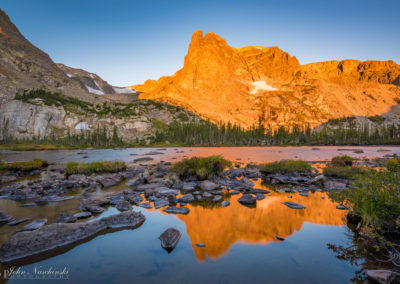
(220, 228)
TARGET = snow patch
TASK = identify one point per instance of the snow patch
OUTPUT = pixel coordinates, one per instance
(69, 75)
(261, 85)
(120, 90)
(82, 126)
(94, 91)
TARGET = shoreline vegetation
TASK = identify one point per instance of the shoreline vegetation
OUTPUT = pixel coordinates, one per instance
(185, 132)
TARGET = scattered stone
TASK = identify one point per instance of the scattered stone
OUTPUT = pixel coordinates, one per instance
(34, 225)
(161, 203)
(186, 198)
(342, 207)
(258, 191)
(153, 153)
(144, 159)
(322, 197)
(207, 185)
(289, 196)
(294, 205)
(170, 238)
(225, 203)
(146, 205)
(57, 235)
(217, 198)
(177, 210)
(260, 196)
(247, 199)
(304, 193)
(207, 194)
(279, 238)
(66, 218)
(200, 245)
(83, 215)
(135, 181)
(234, 192)
(123, 205)
(188, 186)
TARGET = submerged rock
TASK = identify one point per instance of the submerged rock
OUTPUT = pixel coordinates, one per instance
(279, 238)
(170, 238)
(259, 191)
(177, 210)
(260, 196)
(56, 235)
(200, 245)
(247, 199)
(294, 205)
(34, 225)
(144, 159)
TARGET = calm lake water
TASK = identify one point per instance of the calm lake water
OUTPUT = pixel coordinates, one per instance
(241, 244)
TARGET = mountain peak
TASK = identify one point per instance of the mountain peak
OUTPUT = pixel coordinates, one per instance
(256, 83)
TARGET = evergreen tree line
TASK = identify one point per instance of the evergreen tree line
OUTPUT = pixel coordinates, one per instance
(205, 133)
(208, 134)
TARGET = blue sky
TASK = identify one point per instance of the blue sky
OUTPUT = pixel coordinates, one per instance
(129, 41)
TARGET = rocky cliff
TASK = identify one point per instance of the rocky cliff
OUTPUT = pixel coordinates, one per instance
(97, 104)
(251, 84)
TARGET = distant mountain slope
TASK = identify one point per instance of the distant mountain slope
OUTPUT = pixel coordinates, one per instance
(251, 84)
(98, 105)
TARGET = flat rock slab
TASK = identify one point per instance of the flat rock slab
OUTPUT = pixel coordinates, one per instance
(294, 205)
(154, 153)
(177, 210)
(170, 238)
(57, 235)
(34, 225)
(260, 191)
(4, 217)
(186, 198)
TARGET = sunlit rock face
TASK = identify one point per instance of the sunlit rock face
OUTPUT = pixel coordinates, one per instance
(220, 228)
(220, 83)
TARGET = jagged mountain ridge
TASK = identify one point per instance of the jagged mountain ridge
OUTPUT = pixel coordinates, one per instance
(249, 84)
(25, 67)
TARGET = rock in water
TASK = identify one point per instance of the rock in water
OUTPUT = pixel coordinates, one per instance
(66, 218)
(200, 245)
(294, 205)
(381, 276)
(34, 225)
(247, 199)
(279, 238)
(57, 235)
(124, 206)
(177, 210)
(342, 207)
(170, 238)
(225, 203)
